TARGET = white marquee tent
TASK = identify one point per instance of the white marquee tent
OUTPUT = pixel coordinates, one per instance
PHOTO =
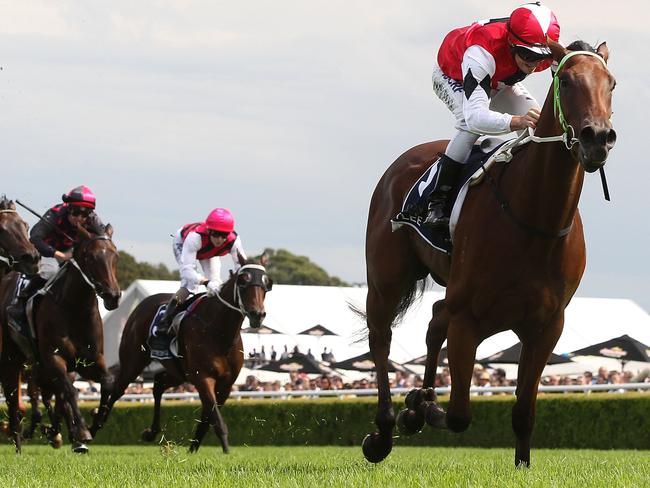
(291, 309)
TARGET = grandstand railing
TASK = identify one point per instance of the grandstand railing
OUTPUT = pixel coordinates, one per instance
(139, 397)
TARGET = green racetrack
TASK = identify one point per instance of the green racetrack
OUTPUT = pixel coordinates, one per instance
(171, 465)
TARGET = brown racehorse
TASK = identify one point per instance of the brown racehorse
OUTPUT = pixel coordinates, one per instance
(518, 255)
(17, 253)
(69, 334)
(209, 346)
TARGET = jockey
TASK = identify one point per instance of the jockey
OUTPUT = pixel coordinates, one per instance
(52, 236)
(478, 76)
(204, 242)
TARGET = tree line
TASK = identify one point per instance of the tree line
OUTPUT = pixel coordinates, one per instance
(284, 267)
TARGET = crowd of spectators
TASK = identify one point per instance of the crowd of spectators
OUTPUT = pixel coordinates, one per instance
(257, 358)
(482, 378)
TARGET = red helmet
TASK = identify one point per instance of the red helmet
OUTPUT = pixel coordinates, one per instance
(81, 196)
(220, 220)
(528, 27)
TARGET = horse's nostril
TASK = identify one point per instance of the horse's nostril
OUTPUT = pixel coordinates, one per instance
(611, 137)
(587, 134)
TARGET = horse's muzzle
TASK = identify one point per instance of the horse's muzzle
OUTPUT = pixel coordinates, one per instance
(28, 263)
(111, 299)
(255, 317)
(595, 143)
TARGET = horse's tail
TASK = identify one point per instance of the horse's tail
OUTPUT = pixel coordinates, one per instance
(413, 293)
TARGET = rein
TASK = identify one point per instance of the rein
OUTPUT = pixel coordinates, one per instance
(75, 263)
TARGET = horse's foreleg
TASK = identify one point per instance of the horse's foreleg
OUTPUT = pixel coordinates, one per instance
(10, 378)
(210, 415)
(36, 416)
(461, 352)
(66, 394)
(99, 373)
(535, 352)
(53, 432)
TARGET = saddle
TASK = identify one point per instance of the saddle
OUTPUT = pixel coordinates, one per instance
(23, 333)
(415, 202)
(166, 346)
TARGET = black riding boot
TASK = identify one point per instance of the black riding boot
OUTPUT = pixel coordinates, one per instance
(166, 320)
(439, 204)
(16, 312)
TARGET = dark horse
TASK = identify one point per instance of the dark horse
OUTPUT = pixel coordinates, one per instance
(510, 269)
(69, 334)
(209, 347)
(17, 253)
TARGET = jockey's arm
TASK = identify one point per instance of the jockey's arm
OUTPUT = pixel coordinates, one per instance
(237, 248)
(40, 231)
(478, 69)
(191, 246)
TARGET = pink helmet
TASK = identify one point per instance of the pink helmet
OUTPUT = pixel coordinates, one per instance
(220, 220)
(528, 27)
(81, 196)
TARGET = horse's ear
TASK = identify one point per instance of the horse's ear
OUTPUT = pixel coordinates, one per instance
(241, 259)
(556, 49)
(603, 51)
(83, 232)
(264, 259)
(108, 230)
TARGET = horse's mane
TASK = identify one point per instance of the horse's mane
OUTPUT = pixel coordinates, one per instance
(6, 204)
(580, 45)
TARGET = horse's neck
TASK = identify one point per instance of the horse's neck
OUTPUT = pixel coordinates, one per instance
(75, 289)
(548, 185)
(229, 320)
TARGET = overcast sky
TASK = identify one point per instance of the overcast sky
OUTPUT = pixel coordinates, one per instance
(286, 112)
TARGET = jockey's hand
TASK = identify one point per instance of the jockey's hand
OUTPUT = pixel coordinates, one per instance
(520, 122)
(204, 282)
(213, 287)
(62, 256)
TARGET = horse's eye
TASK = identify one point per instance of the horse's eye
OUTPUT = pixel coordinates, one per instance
(564, 82)
(245, 278)
(268, 282)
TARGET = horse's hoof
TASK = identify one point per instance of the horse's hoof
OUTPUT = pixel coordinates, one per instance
(522, 464)
(194, 446)
(430, 394)
(57, 441)
(79, 448)
(148, 435)
(375, 448)
(414, 398)
(4, 427)
(409, 422)
(434, 415)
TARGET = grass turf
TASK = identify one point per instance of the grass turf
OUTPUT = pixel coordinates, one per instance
(171, 465)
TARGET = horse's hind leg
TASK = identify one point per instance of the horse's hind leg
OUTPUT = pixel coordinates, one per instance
(210, 415)
(381, 306)
(10, 379)
(160, 383)
(421, 403)
(131, 365)
(535, 352)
